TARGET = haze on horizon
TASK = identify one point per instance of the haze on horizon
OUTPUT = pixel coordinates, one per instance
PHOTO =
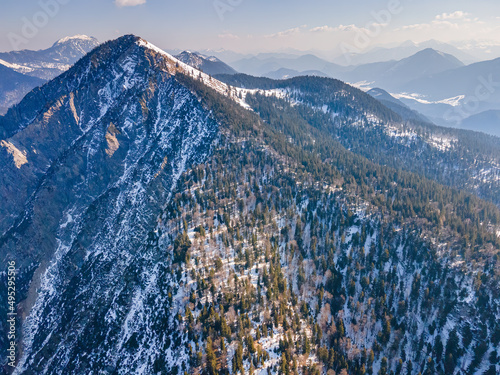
(258, 26)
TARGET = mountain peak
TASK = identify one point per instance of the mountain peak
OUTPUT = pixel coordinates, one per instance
(435, 60)
(75, 38)
(430, 51)
(208, 64)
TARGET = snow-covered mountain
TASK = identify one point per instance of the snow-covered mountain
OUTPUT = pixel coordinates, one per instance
(207, 64)
(50, 62)
(22, 71)
(166, 222)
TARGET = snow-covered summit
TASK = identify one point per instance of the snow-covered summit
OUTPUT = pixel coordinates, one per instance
(174, 65)
(77, 38)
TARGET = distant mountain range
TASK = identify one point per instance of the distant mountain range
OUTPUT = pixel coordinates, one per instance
(430, 84)
(486, 122)
(449, 97)
(388, 74)
(269, 65)
(393, 75)
(21, 71)
(406, 49)
(50, 62)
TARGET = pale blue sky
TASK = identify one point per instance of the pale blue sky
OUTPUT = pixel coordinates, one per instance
(251, 25)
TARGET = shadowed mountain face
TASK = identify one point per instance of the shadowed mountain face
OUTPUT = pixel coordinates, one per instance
(13, 87)
(166, 222)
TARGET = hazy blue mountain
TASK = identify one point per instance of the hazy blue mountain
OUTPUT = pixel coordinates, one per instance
(404, 50)
(13, 87)
(486, 122)
(393, 75)
(449, 97)
(260, 66)
(460, 81)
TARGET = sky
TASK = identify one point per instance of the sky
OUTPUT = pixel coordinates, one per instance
(250, 26)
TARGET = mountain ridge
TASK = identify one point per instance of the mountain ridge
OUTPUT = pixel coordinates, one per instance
(215, 228)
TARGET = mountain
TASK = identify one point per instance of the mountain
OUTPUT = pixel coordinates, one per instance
(266, 63)
(163, 221)
(208, 64)
(22, 71)
(393, 75)
(486, 122)
(404, 50)
(390, 75)
(396, 105)
(48, 63)
(13, 87)
(452, 96)
(459, 81)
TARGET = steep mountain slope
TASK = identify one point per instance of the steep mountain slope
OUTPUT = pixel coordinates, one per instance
(161, 225)
(13, 87)
(48, 63)
(207, 64)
